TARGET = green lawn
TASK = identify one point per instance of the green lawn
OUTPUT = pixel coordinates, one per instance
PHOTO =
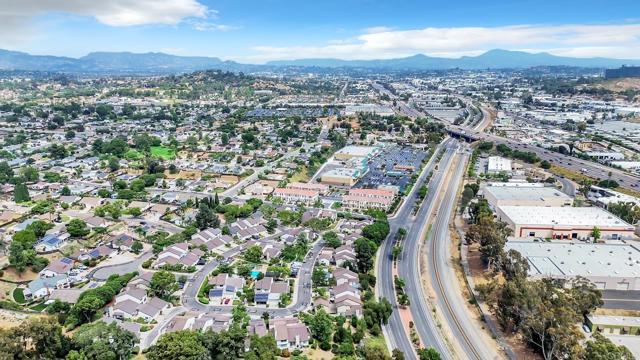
(163, 152)
(18, 295)
(39, 307)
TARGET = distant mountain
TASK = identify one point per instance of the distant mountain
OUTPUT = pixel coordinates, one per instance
(495, 59)
(115, 62)
(160, 63)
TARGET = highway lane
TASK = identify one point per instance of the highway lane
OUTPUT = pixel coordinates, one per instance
(409, 267)
(443, 276)
(394, 330)
(589, 168)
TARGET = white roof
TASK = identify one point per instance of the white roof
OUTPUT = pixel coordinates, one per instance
(568, 258)
(563, 216)
(525, 193)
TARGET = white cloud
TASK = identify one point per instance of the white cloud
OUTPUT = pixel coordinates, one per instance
(16, 16)
(209, 26)
(617, 41)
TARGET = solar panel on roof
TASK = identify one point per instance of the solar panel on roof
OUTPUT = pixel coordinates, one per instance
(66, 260)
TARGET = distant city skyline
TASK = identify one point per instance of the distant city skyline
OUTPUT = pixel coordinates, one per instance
(264, 30)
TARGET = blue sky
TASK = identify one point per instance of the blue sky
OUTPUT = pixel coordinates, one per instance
(262, 30)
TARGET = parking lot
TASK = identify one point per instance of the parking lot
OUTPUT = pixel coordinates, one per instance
(393, 166)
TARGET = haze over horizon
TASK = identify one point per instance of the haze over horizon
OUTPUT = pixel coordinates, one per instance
(261, 31)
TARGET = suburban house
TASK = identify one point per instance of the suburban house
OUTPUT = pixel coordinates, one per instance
(289, 333)
(57, 268)
(44, 286)
(268, 291)
(224, 287)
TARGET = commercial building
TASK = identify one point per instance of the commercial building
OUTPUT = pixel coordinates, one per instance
(351, 110)
(603, 197)
(606, 155)
(292, 196)
(563, 222)
(497, 164)
(525, 196)
(342, 177)
(608, 266)
(617, 325)
(622, 72)
(352, 151)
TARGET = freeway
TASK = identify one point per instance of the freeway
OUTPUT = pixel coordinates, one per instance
(588, 168)
(394, 331)
(409, 265)
(442, 272)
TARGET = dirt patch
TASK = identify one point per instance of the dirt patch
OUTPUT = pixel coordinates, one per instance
(6, 291)
(317, 354)
(11, 274)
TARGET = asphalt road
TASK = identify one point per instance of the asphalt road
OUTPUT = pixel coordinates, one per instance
(394, 331)
(588, 168)
(621, 299)
(409, 266)
(443, 274)
(103, 273)
(301, 301)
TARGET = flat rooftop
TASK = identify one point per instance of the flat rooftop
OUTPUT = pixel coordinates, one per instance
(525, 193)
(353, 150)
(563, 216)
(568, 258)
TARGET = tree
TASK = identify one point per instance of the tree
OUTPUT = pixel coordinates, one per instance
(39, 227)
(428, 354)
(77, 228)
(22, 253)
(6, 173)
(601, 348)
(595, 233)
(331, 239)
(627, 211)
(375, 351)
(262, 348)
(163, 284)
(30, 174)
(397, 354)
(545, 164)
(114, 163)
(101, 341)
(70, 134)
(321, 326)
(227, 344)
(365, 253)
(206, 218)
(21, 193)
(65, 191)
(136, 247)
(104, 193)
(253, 254)
(179, 345)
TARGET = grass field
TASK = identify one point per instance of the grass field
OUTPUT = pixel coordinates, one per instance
(580, 178)
(163, 152)
(18, 295)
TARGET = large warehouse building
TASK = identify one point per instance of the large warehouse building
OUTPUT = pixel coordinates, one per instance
(563, 222)
(525, 196)
(608, 266)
